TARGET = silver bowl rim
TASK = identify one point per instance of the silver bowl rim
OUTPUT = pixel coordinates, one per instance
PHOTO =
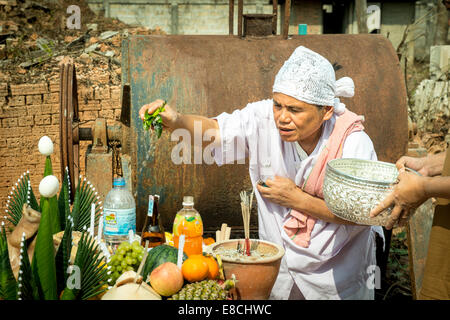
(349, 176)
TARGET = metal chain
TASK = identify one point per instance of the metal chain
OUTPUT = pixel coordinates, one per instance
(117, 164)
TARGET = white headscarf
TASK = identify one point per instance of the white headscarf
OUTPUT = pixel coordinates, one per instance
(309, 77)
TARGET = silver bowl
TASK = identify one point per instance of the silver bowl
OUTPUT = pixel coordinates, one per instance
(353, 187)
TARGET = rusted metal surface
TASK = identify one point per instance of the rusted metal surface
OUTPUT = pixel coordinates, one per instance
(208, 75)
(99, 140)
(68, 124)
(99, 171)
(257, 25)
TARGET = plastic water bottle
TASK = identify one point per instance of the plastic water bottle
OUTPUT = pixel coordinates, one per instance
(119, 212)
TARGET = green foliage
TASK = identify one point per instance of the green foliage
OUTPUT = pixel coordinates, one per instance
(8, 286)
(27, 289)
(46, 276)
(154, 120)
(64, 201)
(85, 195)
(93, 275)
(63, 256)
(20, 194)
(55, 220)
(43, 264)
(397, 273)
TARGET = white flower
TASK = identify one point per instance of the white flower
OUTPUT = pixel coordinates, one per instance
(49, 186)
(45, 146)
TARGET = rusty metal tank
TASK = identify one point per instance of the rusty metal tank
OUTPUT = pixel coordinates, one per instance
(208, 75)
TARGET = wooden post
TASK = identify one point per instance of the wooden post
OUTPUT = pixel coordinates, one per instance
(361, 15)
(240, 14)
(231, 17)
(275, 17)
(287, 14)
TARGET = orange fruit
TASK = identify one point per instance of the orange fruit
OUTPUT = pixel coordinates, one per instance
(208, 241)
(213, 267)
(195, 268)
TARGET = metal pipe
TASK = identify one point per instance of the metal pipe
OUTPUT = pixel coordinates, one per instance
(275, 17)
(114, 133)
(231, 17)
(240, 14)
(287, 14)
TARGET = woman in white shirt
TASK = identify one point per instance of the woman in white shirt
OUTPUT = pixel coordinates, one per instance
(284, 138)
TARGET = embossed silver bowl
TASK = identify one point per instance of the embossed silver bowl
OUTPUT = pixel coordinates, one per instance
(353, 187)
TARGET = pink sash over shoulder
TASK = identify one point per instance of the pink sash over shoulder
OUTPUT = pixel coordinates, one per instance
(300, 225)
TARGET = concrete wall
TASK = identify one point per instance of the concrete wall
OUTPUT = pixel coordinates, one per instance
(204, 16)
(395, 16)
(179, 16)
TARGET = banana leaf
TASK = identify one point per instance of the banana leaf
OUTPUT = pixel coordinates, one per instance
(8, 284)
(55, 219)
(43, 263)
(26, 286)
(92, 271)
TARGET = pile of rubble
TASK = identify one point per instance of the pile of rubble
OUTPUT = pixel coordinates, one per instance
(34, 38)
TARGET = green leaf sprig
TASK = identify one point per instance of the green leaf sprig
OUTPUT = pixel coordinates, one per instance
(154, 120)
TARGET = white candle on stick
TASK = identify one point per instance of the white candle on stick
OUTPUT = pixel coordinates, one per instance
(180, 251)
(100, 229)
(92, 220)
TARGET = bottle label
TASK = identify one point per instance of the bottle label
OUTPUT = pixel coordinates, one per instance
(151, 200)
(118, 222)
(190, 226)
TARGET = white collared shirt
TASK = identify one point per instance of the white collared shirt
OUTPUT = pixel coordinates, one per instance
(335, 264)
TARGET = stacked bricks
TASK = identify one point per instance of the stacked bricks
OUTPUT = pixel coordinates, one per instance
(30, 111)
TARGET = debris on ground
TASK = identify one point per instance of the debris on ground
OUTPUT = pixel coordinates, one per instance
(34, 38)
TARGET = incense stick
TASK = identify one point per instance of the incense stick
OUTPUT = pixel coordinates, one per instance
(246, 204)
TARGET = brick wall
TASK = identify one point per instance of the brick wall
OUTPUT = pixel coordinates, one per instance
(29, 111)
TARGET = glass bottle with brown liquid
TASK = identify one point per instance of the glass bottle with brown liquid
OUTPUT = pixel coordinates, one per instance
(153, 230)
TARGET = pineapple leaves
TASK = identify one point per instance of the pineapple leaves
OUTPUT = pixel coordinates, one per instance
(89, 269)
(8, 285)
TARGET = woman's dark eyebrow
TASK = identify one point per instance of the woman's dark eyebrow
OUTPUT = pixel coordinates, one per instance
(279, 104)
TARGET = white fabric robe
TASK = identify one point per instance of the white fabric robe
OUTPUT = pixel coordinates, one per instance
(335, 266)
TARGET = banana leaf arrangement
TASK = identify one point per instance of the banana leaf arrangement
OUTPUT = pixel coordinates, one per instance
(51, 275)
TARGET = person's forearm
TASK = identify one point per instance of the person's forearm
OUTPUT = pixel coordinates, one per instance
(196, 124)
(438, 187)
(317, 208)
(435, 163)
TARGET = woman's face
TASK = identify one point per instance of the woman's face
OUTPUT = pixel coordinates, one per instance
(297, 120)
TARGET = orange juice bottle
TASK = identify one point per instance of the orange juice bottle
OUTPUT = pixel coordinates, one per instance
(189, 222)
